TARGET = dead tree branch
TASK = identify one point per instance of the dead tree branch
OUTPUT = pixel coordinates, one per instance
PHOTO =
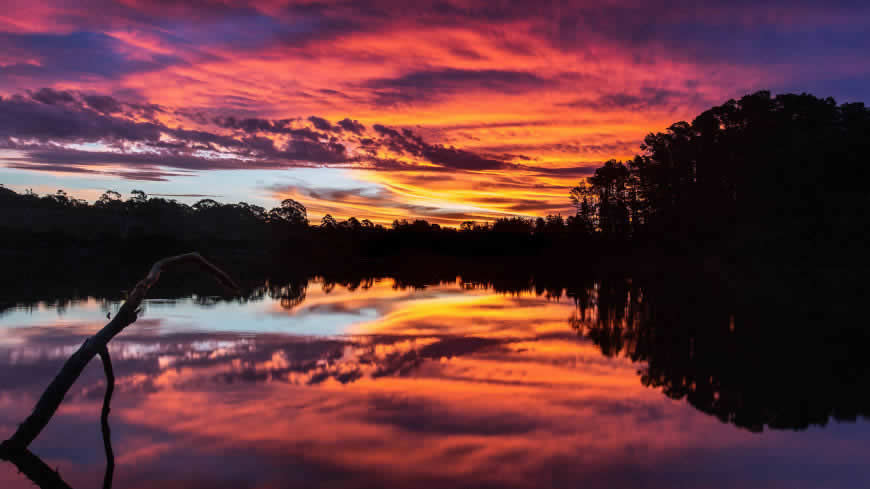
(38, 471)
(104, 418)
(15, 448)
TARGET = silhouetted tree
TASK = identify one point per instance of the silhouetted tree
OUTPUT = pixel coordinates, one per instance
(583, 198)
(290, 212)
(109, 199)
(328, 222)
(138, 197)
(353, 224)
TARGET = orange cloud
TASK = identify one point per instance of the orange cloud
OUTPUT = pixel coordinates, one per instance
(566, 85)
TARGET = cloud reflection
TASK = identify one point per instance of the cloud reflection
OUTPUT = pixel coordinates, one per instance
(454, 384)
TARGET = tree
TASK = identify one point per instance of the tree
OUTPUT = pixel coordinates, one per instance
(353, 224)
(582, 196)
(61, 197)
(110, 198)
(291, 212)
(206, 204)
(516, 225)
(328, 222)
(255, 211)
(554, 223)
(138, 197)
(540, 225)
(609, 183)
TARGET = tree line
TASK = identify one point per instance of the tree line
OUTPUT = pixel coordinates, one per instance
(153, 222)
(755, 175)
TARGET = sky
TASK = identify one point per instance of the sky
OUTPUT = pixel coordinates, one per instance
(447, 110)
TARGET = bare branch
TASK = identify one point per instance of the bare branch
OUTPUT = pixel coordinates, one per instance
(75, 364)
(37, 471)
(104, 418)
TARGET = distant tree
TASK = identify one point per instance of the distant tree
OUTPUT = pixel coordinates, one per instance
(583, 197)
(328, 222)
(138, 197)
(554, 223)
(61, 197)
(609, 183)
(517, 225)
(290, 212)
(206, 204)
(255, 211)
(110, 198)
(420, 225)
(353, 224)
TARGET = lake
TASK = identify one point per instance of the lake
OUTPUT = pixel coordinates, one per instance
(471, 384)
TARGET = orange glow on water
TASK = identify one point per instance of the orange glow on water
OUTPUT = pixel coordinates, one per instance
(422, 388)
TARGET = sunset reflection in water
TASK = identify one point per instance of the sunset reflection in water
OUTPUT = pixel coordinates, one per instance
(383, 386)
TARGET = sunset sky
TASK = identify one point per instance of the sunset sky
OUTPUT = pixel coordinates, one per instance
(446, 110)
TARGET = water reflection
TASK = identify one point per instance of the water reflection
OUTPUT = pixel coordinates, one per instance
(463, 383)
(785, 358)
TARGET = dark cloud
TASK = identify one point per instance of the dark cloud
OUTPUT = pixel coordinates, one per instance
(66, 168)
(52, 97)
(74, 55)
(23, 118)
(331, 152)
(38, 158)
(519, 206)
(604, 149)
(334, 194)
(352, 126)
(465, 52)
(505, 124)
(386, 131)
(145, 175)
(648, 98)
(186, 195)
(367, 198)
(459, 159)
(568, 171)
(103, 103)
(322, 124)
(281, 126)
(428, 85)
(409, 143)
(153, 174)
(41, 124)
(251, 124)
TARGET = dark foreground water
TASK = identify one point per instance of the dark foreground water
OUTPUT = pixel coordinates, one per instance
(450, 385)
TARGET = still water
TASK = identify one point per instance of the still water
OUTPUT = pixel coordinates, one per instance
(449, 385)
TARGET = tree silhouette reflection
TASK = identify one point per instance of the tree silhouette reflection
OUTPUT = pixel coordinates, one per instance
(781, 351)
